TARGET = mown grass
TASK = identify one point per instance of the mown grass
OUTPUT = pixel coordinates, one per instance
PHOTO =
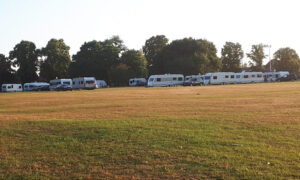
(214, 132)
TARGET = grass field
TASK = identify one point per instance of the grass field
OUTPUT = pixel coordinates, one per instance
(247, 131)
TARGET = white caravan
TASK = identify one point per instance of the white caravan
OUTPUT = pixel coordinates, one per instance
(193, 80)
(274, 76)
(55, 82)
(101, 84)
(84, 83)
(137, 82)
(165, 80)
(12, 88)
(219, 78)
(249, 77)
(35, 86)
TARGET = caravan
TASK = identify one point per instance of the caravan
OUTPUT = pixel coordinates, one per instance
(137, 82)
(219, 78)
(36, 86)
(101, 84)
(249, 77)
(165, 80)
(56, 82)
(84, 83)
(11, 88)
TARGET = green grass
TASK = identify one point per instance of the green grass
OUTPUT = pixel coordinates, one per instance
(228, 144)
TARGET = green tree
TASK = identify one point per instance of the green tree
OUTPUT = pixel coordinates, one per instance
(287, 59)
(56, 60)
(153, 46)
(189, 56)
(6, 72)
(232, 54)
(96, 58)
(257, 55)
(132, 64)
(25, 58)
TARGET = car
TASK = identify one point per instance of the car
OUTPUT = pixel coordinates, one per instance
(290, 77)
(63, 87)
(41, 88)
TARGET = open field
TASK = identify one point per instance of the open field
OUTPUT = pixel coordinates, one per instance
(247, 131)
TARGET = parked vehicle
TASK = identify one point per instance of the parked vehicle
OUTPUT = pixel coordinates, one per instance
(219, 78)
(233, 78)
(84, 83)
(165, 80)
(63, 87)
(36, 86)
(101, 84)
(249, 77)
(194, 80)
(55, 82)
(274, 76)
(137, 82)
(290, 77)
(11, 88)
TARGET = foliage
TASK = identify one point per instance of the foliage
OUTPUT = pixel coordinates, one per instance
(153, 46)
(257, 55)
(287, 60)
(189, 56)
(132, 64)
(96, 58)
(6, 72)
(232, 54)
(25, 58)
(55, 60)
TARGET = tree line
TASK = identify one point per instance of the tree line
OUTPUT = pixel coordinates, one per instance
(112, 61)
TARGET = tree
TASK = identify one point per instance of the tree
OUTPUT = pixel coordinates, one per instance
(189, 56)
(132, 64)
(232, 54)
(6, 72)
(287, 59)
(56, 60)
(151, 49)
(257, 55)
(96, 58)
(25, 57)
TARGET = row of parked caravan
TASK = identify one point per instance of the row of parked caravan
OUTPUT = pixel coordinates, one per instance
(212, 78)
(155, 80)
(56, 85)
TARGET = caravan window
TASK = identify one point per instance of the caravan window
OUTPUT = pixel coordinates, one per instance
(20, 87)
(226, 76)
(232, 76)
(246, 76)
(180, 79)
(151, 79)
(68, 83)
(158, 79)
(259, 75)
(215, 77)
(238, 76)
(174, 78)
(277, 75)
(90, 82)
(207, 77)
(253, 75)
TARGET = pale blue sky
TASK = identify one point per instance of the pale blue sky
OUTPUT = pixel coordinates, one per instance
(76, 21)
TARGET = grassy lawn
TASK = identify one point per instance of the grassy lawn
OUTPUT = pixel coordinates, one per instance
(247, 131)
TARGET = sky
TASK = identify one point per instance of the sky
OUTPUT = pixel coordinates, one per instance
(248, 22)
